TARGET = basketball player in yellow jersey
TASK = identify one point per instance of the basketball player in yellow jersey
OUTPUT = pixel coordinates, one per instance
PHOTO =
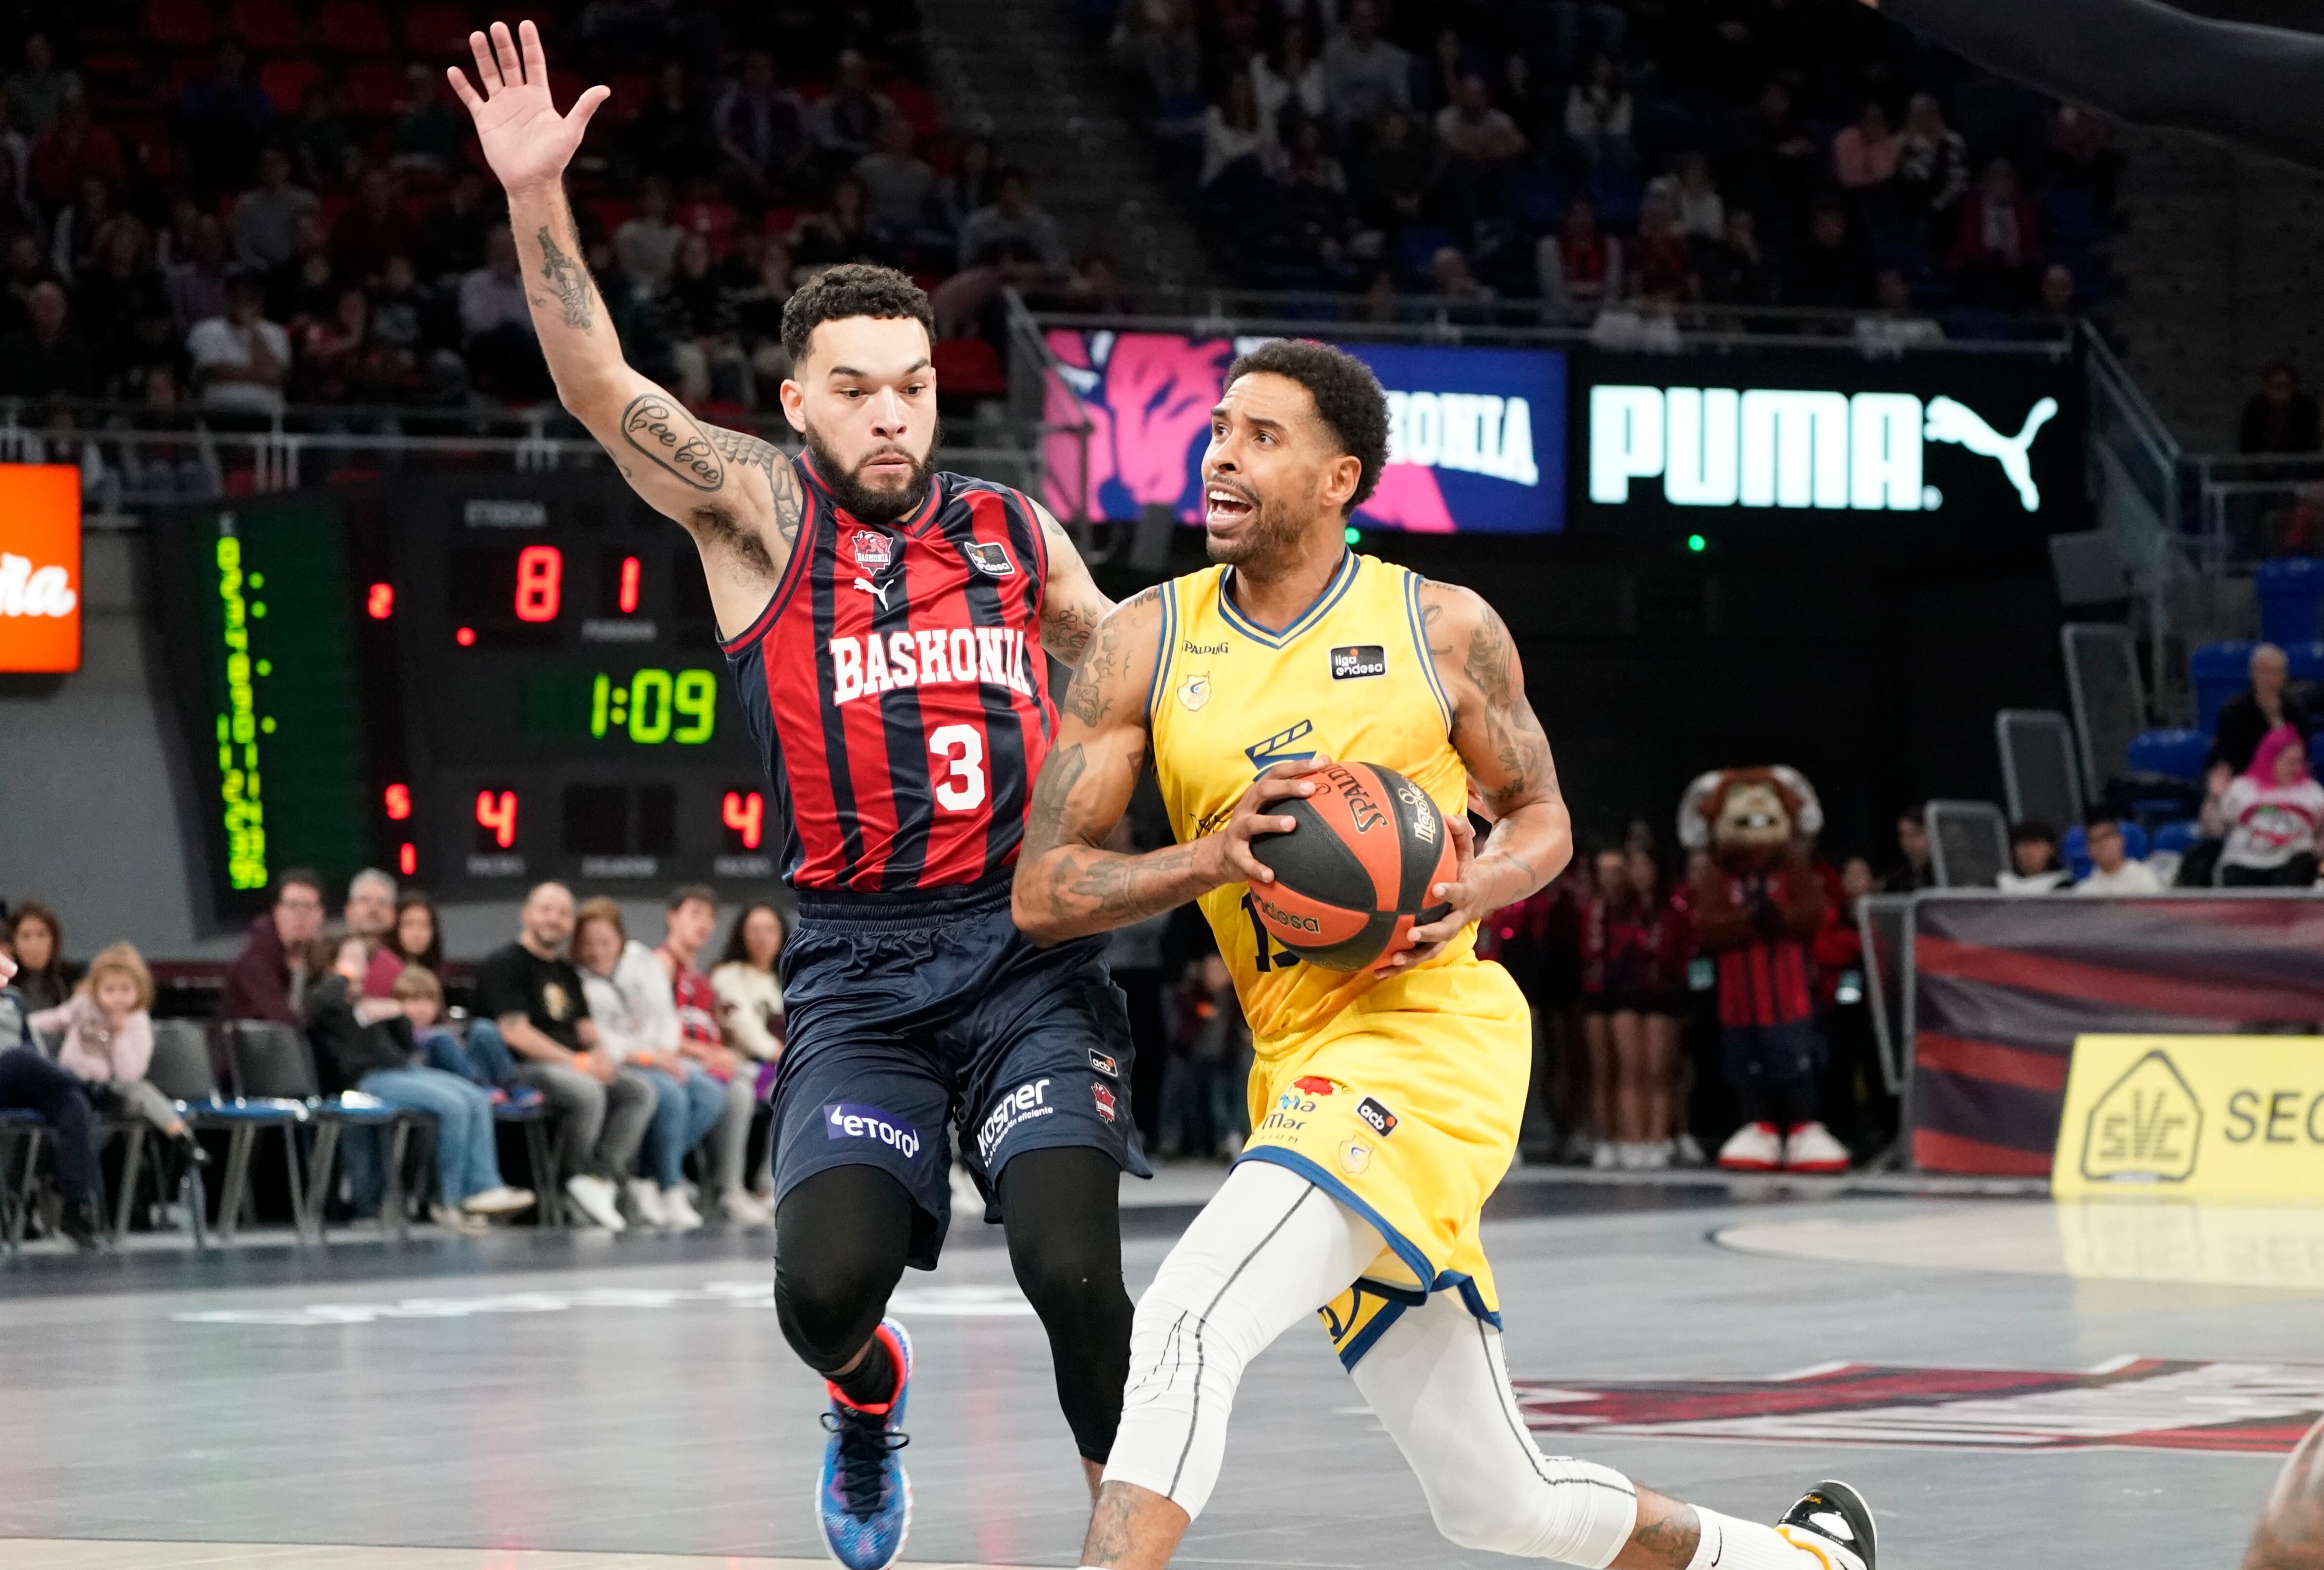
(1385, 1103)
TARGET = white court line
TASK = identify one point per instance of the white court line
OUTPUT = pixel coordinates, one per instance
(87, 1554)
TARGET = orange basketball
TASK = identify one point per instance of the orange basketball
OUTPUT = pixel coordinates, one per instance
(1353, 878)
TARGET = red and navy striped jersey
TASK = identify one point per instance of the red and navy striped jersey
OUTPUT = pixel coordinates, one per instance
(897, 689)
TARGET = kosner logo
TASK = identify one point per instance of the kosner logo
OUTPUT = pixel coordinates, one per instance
(1719, 447)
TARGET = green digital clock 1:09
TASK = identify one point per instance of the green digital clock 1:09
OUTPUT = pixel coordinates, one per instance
(655, 705)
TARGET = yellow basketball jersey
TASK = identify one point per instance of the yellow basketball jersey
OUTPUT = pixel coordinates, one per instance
(1351, 679)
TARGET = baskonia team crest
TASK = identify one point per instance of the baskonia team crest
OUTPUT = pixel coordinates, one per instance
(874, 550)
(1195, 690)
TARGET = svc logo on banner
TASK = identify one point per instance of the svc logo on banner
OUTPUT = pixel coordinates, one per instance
(2200, 1117)
(40, 567)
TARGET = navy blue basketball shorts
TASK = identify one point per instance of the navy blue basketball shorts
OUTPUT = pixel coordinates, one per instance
(916, 1021)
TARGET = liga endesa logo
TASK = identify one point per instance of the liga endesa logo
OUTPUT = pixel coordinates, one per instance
(40, 567)
(1724, 446)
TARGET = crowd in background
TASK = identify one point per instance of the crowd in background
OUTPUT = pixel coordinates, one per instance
(1594, 154)
(223, 219)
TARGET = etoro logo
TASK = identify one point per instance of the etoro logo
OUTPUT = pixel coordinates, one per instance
(2145, 1128)
(850, 1120)
(1793, 447)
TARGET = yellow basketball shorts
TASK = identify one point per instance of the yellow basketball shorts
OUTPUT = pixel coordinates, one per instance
(1406, 1108)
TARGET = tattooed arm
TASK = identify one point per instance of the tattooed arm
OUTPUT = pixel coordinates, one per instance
(1509, 767)
(1072, 604)
(734, 492)
(1067, 883)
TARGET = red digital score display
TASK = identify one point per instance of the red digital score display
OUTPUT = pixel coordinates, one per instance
(745, 814)
(539, 582)
(626, 595)
(399, 802)
(407, 859)
(496, 817)
(381, 601)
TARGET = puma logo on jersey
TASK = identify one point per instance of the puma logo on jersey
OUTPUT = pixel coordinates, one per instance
(878, 591)
(882, 663)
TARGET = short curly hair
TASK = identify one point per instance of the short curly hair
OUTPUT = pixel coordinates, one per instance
(1348, 400)
(852, 288)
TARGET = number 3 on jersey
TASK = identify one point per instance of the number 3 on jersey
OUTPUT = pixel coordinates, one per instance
(962, 788)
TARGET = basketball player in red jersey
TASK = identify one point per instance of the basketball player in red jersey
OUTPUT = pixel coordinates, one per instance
(886, 629)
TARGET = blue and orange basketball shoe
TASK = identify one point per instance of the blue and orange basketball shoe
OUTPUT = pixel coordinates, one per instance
(863, 1499)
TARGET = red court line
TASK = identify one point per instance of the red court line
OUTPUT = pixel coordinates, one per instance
(1991, 1060)
(1950, 1153)
(2104, 984)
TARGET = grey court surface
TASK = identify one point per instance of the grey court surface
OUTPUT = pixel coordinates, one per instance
(2012, 1386)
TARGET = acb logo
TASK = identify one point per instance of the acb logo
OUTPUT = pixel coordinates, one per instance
(2145, 1128)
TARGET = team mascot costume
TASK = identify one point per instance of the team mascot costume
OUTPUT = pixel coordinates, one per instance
(1758, 903)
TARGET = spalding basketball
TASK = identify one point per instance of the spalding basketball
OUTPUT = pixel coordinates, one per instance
(1353, 878)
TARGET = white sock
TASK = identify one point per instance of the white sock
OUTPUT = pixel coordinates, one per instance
(1727, 1544)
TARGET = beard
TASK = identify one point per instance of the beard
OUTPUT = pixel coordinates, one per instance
(1271, 534)
(873, 504)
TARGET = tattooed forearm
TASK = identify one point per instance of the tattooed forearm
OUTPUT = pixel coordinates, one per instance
(568, 279)
(1066, 626)
(655, 424)
(1066, 885)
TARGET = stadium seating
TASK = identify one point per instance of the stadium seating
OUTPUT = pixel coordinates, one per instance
(2178, 754)
(2291, 600)
(2218, 672)
(274, 1062)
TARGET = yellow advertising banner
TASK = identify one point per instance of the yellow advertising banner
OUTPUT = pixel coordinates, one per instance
(2193, 1117)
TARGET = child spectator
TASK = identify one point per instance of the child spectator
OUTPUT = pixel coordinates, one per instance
(108, 1041)
(2272, 812)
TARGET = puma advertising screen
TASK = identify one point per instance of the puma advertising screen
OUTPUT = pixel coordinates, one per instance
(1958, 442)
(1477, 439)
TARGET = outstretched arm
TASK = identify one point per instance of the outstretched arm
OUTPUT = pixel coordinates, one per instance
(734, 492)
(1067, 883)
(1509, 767)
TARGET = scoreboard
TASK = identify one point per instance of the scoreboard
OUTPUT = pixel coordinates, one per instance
(477, 682)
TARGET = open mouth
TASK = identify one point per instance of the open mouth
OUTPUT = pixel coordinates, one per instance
(1224, 507)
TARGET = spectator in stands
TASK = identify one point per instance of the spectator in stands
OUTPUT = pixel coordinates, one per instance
(647, 242)
(16, 209)
(369, 914)
(342, 361)
(428, 134)
(72, 240)
(847, 122)
(121, 295)
(2034, 855)
(320, 142)
(105, 1039)
(1392, 173)
(416, 939)
(2058, 292)
(1995, 255)
(1931, 169)
(1438, 80)
(838, 232)
(1662, 261)
(2112, 871)
(1734, 271)
(1580, 265)
(30, 1082)
(496, 331)
(44, 976)
(1012, 230)
(1597, 112)
(2267, 703)
(75, 148)
(1916, 870)
(749, 995)
(48, 359)
(1237, 140)
(1155, 41)
(899, 187)
(222, 116)
(1694, 195)
(407, 316)
(761, 128)
(365, 1044)
(1288, 79)
(2281, 416)
(1776, 159)
(1479, 142)
(194, 282)
(2273, 811)
(1202, 1118)
(459, 229)
(1865, 153)
(240, 359)
(758, 306)
(262, 222)
(630, 1000)
(1831, 272)
(531, 995)
(705, 348)
(970, 185)
(1364, 73)
(1893, 325)
(692, 915)
(378, 227)
(268, 980)
(38, 90)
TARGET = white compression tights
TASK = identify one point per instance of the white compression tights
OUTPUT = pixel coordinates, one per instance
(1268, 1251)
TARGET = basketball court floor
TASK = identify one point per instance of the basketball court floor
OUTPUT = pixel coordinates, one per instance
(2011, 1383)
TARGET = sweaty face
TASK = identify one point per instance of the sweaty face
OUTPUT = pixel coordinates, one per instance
(1274, 472)
(864, 397)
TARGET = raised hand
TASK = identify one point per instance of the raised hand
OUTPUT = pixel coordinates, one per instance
(526, 141)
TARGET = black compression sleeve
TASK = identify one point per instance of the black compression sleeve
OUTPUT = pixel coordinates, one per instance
(2146, 63)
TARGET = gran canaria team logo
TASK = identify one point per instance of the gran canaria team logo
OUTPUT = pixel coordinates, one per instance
(1195, 690)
